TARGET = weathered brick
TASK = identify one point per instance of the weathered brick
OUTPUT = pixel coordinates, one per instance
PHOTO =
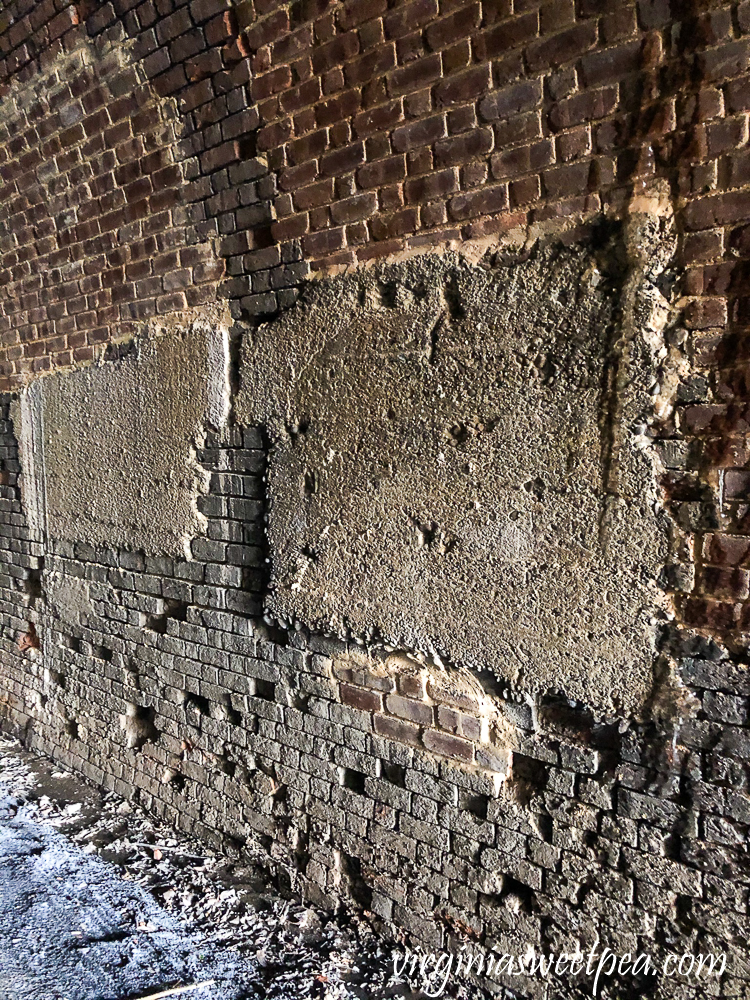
(397, 729)
(449, 746)
(484, 201)
(508, 34)
(463, 148)
(407, 708)
(419, 133)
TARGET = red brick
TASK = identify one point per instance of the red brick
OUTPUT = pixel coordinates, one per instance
(339, 50)
(463, 148)
(726, 550)
(302, 96)
(314, 195)
(379, 119)
(704, 246)
(309, 147)
(556, 14)
(726, 135)
(576, 144)
(356, 697)
(421, 133)
(463, 87)
(418, 105)
(347, 210)
(339, 108)
(220, 156)
(386, 227)
(561, 48)
(203, 10)
(291, 46)
(584, 107)
(342, 161)
(737, 95)
(269, 29)
(273, 136)
(611, 65)
(522, 160)
(449, 746)
(485, 201)
(415, 75)
(505, 36)
(456, 58)
(291, 228)
(271, 83)
(563, 182)
(397, 729)
(390, 170)
(298, 176)
(413, 686)
(732, 584)
(407, 708)
(704, 418)
(511, 100)
(702, 314)
(355, 12)
(737, 485)
(739, 169)
(409, 16)
(717, 210)
(430, 187)
(446, 31)
(525, 192)
(371, 66)
(468, 726)
(323, 243)
(727, 61)
(711, 615)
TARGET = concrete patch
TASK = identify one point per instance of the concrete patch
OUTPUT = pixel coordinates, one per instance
(454, 468)
(26, 416)
(117, 461)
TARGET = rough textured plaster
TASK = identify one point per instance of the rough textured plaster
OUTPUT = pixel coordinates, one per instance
(456, 466)
(118, 441)
(26, 415)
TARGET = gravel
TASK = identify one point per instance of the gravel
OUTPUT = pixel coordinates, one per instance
(100, 902)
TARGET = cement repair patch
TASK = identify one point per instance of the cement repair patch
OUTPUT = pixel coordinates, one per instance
(113, 458)
(443, 439)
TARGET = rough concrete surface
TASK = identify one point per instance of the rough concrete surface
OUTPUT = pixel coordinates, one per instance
(443, 438)
(117, 441)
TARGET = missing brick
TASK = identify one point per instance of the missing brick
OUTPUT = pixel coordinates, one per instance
(353, 780)
(477, 805)
(352, 870)
(265, 690)
(139, 726)
(196, 709)
(395, 773)
(528, 778)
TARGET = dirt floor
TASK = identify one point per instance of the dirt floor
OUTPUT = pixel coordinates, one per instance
(98, 903)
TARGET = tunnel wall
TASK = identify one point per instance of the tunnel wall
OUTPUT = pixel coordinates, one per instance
(374, 445)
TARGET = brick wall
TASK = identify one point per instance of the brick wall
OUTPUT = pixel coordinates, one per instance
(147, 149)
(159, 155)
(454, 813)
